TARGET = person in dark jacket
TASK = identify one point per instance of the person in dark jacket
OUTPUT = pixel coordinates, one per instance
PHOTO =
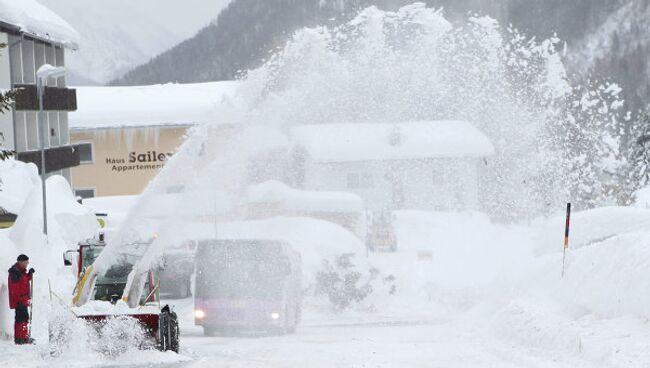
(20, 298)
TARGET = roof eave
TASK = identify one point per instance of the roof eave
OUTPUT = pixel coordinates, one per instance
(70, 45)
(432, 157)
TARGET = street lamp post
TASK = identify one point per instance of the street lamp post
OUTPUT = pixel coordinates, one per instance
(44, 72)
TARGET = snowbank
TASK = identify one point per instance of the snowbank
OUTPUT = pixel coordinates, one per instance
(609, 279)
(589, 227)
(16, 182)
(378, 141)
(642, 198)
(68, 223)
(36, 20)
(467, 249)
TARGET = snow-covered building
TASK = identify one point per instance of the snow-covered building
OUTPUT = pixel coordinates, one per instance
(125, 134)
(429, 165)
(35, 36)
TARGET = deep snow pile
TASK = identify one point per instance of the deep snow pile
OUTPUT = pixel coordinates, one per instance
(600, 309)
(496, 264)
(68, 223)
(606, 265)
(598, 312)
(17, 181)
(591, 227)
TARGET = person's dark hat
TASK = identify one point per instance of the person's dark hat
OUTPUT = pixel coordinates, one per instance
(22, 257)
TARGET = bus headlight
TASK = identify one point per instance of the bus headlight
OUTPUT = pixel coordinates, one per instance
(275, 316)
(199, 313)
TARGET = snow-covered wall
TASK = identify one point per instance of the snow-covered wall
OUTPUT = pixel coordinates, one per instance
(435, 184)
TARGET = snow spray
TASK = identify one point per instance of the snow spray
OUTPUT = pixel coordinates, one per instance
(391, 67)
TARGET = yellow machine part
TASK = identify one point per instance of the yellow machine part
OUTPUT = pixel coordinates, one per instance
(81, 284)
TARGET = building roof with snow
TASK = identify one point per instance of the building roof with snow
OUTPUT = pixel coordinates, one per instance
(155, 105)
(348, 142)
(35, 20)
(290, 199)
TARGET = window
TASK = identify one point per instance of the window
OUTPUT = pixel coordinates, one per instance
(16, 60)
(39, 55)
(64, 136)
(353, 180)
(50, 58)
(174, 189)
(29, 73)
(53, 131)
(33, 138)
(21, 132)
(366, 180)
(439, 176)
(356, 180)
(60, 61)
(85, 192)
(86, 154)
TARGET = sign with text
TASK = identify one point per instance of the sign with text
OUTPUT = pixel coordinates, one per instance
(136, 161)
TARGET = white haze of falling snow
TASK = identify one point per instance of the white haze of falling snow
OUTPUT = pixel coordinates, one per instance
(409, 65)
(413, 65)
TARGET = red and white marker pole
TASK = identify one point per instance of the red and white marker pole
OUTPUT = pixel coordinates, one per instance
(566, 234)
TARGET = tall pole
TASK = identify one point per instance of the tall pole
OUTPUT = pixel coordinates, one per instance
(41, 119)
(566, 234)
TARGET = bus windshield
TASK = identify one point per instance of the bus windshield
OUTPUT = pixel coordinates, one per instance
(241, 270)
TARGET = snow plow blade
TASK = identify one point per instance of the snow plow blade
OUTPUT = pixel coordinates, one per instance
(161, 328)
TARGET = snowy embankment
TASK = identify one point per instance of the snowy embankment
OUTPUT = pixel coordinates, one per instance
(68, 223)
(606, 265)
(506, 280)
(598, 310)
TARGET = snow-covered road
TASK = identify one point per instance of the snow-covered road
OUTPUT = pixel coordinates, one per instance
(408, 343)
(376, 341)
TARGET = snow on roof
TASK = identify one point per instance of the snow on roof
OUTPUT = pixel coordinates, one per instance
(154, 105)
(110, 204)
(290, 199)
(346, 142)
(36, 20)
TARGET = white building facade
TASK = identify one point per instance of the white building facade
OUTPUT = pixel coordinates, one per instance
(434, 165)
(36, 36)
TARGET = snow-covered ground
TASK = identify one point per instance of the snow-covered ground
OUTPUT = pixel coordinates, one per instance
(469, 292)
(479, 298)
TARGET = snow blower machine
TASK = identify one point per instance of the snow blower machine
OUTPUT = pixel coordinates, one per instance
(122, 290)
